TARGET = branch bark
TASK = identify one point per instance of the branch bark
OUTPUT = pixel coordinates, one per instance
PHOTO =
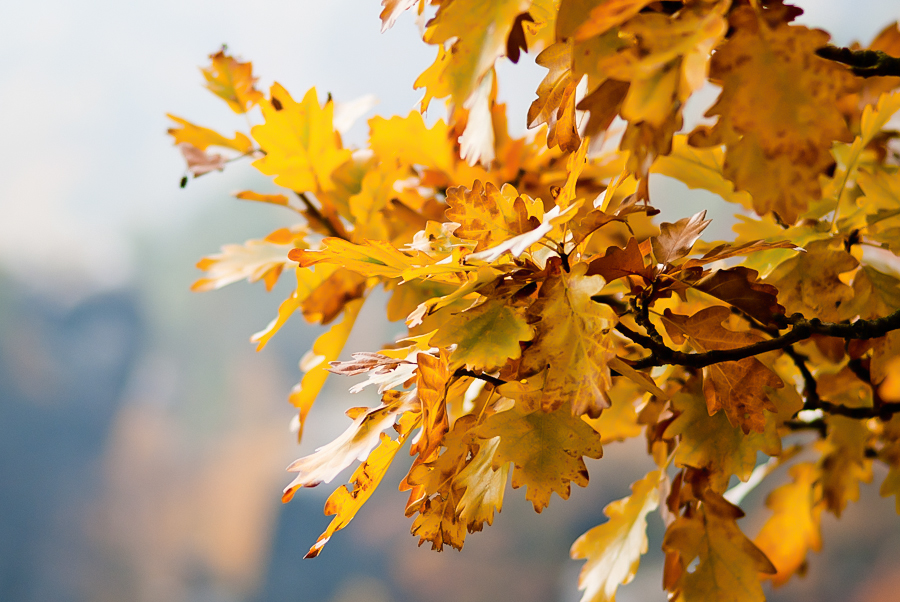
(864, 63)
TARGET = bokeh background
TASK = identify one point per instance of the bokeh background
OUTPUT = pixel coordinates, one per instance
(142, 440)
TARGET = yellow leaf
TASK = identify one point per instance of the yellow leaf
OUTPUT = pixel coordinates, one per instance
(254, 260)
(486, 336)
(607, 15)
(344, 504)
(374, 258)
(794, 527)
(787, 140)
(409, 141)
(810, 282)
(546, 449)
(432, 377)
(699, 168)
(476, 45)
(555, 104)
(484, 487)
(275, 199)
(711, 442)
(203, 138)
(844, 464)
(307, 282)
(353, 445)
(619, 421)
(574, 165)
(232, 81)
(613, 550)
(574, 343)
(728, 564)
(301, 145)
(327, 348)
(490, 216)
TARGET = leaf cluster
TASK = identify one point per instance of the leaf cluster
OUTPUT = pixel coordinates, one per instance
(548, 313)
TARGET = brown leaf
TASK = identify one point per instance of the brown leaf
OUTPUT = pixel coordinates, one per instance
(365, 361)
(392, 10)
(200, 162)
(737, 387)
(618, 263)
(676, 240)
(516, 40)
(725, 250)
(739, 288)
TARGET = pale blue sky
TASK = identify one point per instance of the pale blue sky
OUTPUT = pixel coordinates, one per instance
(86, 164)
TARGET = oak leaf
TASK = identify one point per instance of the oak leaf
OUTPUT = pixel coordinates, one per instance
(484, 486)
(795, 525)
(232, 81)
(476, 47)
(739, 288)
(809, 283)
(728, 563)
(490, 215)
(344, 504)
(844, 464)
(574, 342)
(711, 442)
(202, 138)
(787, 140)
(432, 379)
(555, 104)
(486, 336)
(546, 449)
(613, 550)
(354, 444)
(676, 240)
(736, 387)
(254, 260)
(618, 263)
(301, 145)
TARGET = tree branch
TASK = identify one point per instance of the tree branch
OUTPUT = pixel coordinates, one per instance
(801, 329)
(864, 63)
(317, 215)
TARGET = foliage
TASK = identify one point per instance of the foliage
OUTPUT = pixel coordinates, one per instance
(548, 314)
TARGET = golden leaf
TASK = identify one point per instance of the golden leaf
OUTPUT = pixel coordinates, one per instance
(728, 564)
(787, 140)
(202, 138)
(344, 504)
(546, 450)
(613, 550)
(301, 145)
(232, 81)
(486, 336)
(810, 282)
(476, 46)
(574, 343)
(794, 527)
(711, 442)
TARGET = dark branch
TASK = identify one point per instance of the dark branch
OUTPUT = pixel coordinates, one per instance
(800, 329)
(485, 377)
(864, 63)
(315, 214)
(811, 386)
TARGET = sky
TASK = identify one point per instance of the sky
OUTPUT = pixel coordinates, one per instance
(87, 168)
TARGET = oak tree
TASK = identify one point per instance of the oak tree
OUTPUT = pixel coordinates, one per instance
(548, 313)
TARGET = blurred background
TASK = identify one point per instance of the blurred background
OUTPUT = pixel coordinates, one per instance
(142, 439)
